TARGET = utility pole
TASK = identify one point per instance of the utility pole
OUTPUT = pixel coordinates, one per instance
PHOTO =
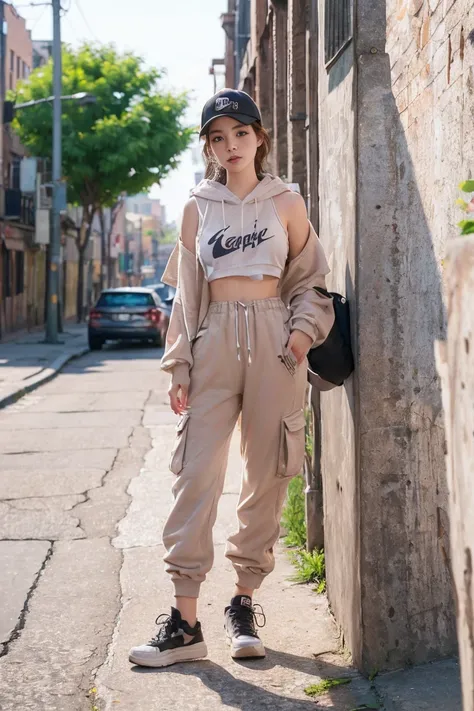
(55, 243)
(140, 252)
(2, 101)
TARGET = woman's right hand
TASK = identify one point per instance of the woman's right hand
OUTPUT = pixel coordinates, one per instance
(178, 395)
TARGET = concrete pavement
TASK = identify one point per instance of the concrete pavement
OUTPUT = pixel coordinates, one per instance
(84, 492)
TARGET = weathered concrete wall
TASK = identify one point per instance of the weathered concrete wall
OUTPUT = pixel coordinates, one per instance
(337, 193)
(456, 369)
(384, 476)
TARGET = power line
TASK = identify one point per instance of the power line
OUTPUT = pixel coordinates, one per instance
(34, 4)
(66, 10)
(38, 19)
(86, 22)
(72, 27)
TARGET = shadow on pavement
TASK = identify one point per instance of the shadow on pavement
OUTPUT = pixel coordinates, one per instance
(237, 693)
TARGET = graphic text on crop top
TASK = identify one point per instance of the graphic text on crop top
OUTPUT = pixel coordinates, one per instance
(222, 247)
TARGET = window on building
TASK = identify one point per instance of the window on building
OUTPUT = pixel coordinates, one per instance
(25, 71)
(338, 28)
(243, 30)
(18, 68)
(19, 272)
(15, 172)
(12, 70)
(6, 271)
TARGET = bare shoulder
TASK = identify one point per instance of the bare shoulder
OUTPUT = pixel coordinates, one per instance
(292, 209)
(190, 225)
(288, 202)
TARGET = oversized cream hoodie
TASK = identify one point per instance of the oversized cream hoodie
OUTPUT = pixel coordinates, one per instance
(311, 312)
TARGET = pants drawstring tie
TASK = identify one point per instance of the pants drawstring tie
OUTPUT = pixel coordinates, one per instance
(247, 330)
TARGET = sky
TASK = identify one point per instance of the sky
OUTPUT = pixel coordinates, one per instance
(181, 36)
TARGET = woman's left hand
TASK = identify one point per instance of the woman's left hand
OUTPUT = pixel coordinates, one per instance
(299, 343)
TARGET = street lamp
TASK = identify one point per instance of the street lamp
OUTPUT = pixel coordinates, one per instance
(83, 98)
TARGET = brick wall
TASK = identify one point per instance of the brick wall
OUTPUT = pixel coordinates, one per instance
(19, 48)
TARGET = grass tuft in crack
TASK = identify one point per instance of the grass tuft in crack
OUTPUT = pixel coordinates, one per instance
(325, 685)
(92, 694)
(310, 568)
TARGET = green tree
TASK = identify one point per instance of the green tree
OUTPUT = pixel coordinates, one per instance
(126, 141)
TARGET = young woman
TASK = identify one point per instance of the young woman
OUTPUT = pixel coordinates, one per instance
(244, 317)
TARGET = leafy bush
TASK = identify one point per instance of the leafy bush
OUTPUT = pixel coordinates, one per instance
(467, 226)
(310, 566)
(293, 518)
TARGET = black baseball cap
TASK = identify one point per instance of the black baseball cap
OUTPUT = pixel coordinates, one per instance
(230, 102)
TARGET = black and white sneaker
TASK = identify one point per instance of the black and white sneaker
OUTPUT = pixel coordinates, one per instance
(240, 621)
(175, 642)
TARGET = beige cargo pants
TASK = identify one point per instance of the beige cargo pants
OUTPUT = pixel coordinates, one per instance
(241, 365)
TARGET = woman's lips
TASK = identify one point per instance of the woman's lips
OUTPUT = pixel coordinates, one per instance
(234, 159)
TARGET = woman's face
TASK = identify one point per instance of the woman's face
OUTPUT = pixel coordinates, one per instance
(233, 143)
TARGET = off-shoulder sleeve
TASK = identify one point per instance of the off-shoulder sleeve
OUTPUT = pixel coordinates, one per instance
(311, 312)
(180, 272)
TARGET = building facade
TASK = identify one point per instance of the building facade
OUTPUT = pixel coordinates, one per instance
(369, 106)
(22, 262)
(145, 219)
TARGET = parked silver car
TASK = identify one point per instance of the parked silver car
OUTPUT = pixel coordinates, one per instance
(127, 313)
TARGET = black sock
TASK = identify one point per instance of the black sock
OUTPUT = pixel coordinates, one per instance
(243, 600)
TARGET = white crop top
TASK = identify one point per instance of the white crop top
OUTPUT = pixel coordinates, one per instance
(240, 237)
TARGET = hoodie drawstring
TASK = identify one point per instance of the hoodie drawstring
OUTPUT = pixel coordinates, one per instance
(247, 330)
(241, 215)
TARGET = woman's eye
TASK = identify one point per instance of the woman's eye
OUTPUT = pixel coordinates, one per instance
(242, 133)
(216, 139)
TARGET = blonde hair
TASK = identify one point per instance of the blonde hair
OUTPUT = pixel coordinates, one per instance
(215, 171)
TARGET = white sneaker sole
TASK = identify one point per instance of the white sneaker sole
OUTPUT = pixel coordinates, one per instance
(254, 651)
(173, 656)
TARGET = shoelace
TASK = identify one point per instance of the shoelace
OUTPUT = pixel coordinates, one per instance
(244, 619)
(167, 626)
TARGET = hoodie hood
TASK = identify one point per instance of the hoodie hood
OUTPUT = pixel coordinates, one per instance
(268, 187)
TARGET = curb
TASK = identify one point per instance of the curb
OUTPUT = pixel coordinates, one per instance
(45, 376)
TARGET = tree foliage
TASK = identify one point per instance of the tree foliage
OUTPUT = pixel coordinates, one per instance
(126, 141)
(130, 138)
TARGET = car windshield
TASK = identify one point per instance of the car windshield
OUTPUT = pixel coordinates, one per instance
(125, 299)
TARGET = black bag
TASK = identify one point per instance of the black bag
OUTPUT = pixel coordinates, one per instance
(333, 360)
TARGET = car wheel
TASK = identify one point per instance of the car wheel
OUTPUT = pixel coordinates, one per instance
(95, 343)
(157, 342)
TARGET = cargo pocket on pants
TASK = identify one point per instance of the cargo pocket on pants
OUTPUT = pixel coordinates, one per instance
(177, 454)
(292, 445)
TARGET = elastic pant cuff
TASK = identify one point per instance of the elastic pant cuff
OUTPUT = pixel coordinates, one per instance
(186, 588)
(247, 579)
